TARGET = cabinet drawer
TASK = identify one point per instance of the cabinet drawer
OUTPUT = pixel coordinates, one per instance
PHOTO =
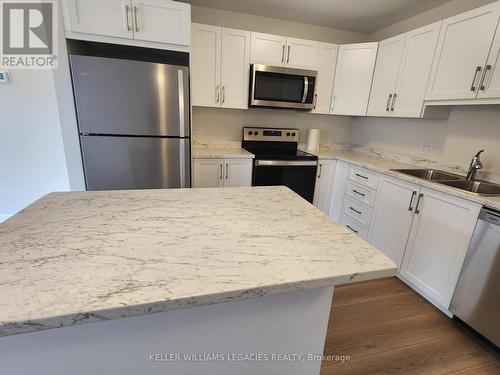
(357, 211)
(361, 193)
(364, 177)
(354, 226)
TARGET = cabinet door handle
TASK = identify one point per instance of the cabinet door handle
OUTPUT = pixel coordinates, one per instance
(482, 87)
(288, 57)
(353, 209)
(217, 94)
(135, 19)
(413, 194)
(223, 94)
(319, 170)
(333, 103)
(227, 171)
(126, 11)
(473, 85)
(360, 175)
(283, 54)
(315, 100)
(220, 177)
(354, 230)
(417, 208)
(393, 102)
(388, 105)
(357, 192)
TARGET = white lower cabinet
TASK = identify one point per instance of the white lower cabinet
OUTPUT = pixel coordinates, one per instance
(393, 216)
(238, 172)
(338, 189)
(324, 184)
(439, 238)
(211, 172)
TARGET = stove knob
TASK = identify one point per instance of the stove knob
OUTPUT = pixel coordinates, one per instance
(255, 133)
(293, 134)
(288, 134)
(250, 132)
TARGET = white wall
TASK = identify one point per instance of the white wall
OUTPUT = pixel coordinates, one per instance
(455, 140)
(32, 160)
(452, 8)
(227, 124)
(249, 22)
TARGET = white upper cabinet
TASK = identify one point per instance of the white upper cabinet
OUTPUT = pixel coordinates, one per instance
(389, 56)
(323, 187)
(415, 69)
(402, 72)
(267, 49)
(393, 216)
(327, 60)
(463, 48)
(156, 21)
(301, 53)
(100, 17)
(353, 78)
(235, 69)
(489, 86)
(438, 242)
(219, 67)
(279, 50)
(205, 65)
(162, 21)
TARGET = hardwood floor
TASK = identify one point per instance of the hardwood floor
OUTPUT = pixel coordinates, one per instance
(387, 328)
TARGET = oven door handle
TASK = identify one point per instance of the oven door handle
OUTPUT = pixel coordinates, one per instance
(284, 163)
(306, 89)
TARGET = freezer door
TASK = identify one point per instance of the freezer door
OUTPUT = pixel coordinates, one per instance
(115, 96)
(116, 163)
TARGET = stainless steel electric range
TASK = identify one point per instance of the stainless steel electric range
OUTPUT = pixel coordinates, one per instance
(278, 161)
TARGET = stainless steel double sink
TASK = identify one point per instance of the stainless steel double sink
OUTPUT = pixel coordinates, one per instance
(454, 180)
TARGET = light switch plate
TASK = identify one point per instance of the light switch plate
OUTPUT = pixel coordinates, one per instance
(5, 77)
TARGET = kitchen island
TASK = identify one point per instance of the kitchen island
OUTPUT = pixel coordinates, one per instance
(186, 281)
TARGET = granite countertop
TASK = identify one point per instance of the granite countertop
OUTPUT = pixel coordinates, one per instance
(81, 257)
(376, 162)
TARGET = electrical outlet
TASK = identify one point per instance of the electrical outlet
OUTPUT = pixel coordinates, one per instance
(426, 148)
(200, 132)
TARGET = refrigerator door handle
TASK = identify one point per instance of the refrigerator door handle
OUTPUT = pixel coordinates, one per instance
(182, 118)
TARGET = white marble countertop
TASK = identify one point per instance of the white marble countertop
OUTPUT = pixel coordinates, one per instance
(219, 150)
(221, 153)
(378, 163)
(81, 257)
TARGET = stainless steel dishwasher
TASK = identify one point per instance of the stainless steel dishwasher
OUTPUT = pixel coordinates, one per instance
(476, 300)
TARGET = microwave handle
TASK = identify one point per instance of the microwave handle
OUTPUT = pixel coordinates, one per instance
(306, 89)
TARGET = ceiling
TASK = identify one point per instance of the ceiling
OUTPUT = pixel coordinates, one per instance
(364, 16)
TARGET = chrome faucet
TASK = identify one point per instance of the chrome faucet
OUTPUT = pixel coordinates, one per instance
(475, 165)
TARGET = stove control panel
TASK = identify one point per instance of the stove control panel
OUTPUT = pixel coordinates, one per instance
(271, 134)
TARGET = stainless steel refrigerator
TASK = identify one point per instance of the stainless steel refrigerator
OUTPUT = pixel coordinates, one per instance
(133, 119)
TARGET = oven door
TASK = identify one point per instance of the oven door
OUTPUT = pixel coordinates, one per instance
(300, 176)
(275, 86)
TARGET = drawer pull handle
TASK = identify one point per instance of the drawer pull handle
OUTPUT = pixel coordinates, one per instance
(360, 175)
(417, 208)
(357, 192)
(354, 230)
(353, 209)
(410, 207)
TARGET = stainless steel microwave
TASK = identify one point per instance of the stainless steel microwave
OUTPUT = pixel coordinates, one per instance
(280, 87)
